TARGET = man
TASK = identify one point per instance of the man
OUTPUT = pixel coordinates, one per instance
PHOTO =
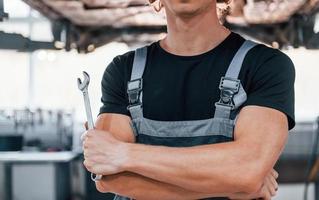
(181, 85)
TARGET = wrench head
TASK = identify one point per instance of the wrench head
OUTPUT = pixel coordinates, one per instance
(85, 83)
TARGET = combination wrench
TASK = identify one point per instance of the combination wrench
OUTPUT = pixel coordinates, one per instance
(83, 86)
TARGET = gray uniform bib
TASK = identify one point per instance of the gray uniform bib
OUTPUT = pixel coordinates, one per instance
(218, 129)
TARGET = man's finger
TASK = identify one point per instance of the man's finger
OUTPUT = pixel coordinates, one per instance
(83, 136)
(274, 183)
(271, 186)
(274, 173)
(85, 145)
(85, 155)
(268, 188)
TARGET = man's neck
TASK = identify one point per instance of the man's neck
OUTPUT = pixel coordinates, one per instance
(195, 35)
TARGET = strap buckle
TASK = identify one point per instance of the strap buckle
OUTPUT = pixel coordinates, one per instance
(229, 87)
(134, 88)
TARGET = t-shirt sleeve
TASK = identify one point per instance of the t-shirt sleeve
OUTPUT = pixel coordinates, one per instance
(273, 86)
(113, 85)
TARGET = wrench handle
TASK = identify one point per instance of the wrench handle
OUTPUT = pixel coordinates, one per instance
(89, 117)
(88, 110)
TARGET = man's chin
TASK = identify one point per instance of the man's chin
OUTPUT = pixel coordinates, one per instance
(188, 12)
(188, 8)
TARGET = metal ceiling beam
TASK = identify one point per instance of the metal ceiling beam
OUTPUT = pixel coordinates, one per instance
(12, 41)
(2, 13)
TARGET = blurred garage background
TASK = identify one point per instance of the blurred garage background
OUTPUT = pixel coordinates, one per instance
(46, 44)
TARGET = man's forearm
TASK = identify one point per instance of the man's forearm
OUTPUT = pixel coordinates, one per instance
(139, 187)
(203, 169)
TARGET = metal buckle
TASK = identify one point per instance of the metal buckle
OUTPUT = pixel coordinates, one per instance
(228, 88)
(133, 105)
(135, 85)
(134, 89)
(229, 83)
(226, 96)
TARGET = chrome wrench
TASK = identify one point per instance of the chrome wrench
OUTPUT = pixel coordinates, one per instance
(83, 86)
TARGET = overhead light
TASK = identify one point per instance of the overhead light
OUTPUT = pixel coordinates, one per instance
(73, 45)
(59, 44)
(91, 48)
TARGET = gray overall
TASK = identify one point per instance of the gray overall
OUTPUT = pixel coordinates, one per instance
(188, 133)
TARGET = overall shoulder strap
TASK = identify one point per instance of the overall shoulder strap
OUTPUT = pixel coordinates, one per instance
(139, 63)
(237, 62)
(135, 85)
(232, 93)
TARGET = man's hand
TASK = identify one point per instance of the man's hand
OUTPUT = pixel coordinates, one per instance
(266, 192)
(103, 153)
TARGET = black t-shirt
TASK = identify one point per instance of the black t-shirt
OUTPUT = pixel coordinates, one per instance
(177, 88)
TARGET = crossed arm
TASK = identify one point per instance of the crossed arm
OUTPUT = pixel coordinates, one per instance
(228, 169)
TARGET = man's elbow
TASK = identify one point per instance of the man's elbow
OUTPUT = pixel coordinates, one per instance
(253, 179)
(251, 184)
